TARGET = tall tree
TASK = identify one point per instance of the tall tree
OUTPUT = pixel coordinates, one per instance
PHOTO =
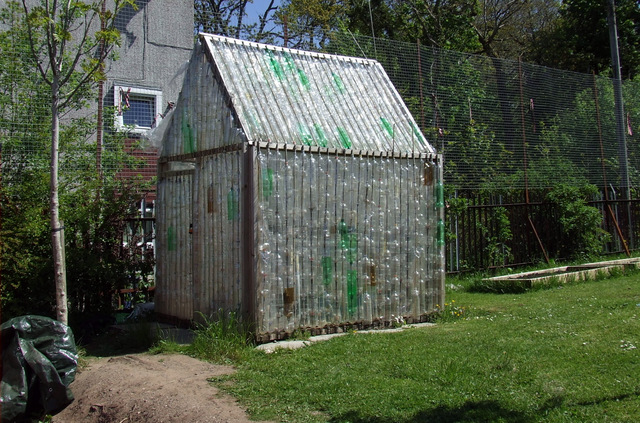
(69, 41)
(445, 24)
(508, 28)
(310, 22)
(229, 18)
(580, 42)
(436, 23)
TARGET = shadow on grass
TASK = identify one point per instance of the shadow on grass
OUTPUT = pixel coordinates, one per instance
(479, 411)
(472, 412)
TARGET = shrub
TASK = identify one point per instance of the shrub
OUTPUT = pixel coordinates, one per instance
(579, 225)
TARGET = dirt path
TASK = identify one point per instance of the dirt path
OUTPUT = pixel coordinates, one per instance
(150, 388)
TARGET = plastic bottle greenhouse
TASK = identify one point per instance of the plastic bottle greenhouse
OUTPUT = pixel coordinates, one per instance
(296, 189)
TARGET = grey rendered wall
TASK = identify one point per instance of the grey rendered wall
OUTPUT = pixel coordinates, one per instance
(157, 40)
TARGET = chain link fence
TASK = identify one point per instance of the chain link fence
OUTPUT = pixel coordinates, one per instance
(509, 132)
(504, 124)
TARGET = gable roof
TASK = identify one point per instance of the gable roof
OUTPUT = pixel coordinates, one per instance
(296, 97)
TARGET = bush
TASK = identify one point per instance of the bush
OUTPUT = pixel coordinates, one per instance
(223, 338)
(579, 225)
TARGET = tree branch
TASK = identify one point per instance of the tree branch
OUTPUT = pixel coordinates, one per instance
(32, 48)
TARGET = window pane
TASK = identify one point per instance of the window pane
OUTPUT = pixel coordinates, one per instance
(141, 111)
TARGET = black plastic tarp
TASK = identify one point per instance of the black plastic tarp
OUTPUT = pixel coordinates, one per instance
(39, 361)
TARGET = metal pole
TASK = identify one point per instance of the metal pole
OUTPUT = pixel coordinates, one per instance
(524, 161)
(619, 110)
(604, 170)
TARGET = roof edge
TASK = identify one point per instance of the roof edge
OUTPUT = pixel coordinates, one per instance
(352, 59)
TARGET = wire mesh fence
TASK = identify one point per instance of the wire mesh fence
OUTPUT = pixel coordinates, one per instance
(504, 127)
(499, 123)
(497, 120)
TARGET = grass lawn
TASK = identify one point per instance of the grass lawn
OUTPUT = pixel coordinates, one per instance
(564, 354)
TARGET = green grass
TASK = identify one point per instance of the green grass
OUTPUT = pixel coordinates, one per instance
(222, 339)
(565, 354)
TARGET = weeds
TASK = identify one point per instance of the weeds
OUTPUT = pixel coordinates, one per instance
(450, 312)
(168, 346)
(222, 339)
(300, 335)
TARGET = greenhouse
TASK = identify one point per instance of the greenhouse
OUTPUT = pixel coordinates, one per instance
(296, 189)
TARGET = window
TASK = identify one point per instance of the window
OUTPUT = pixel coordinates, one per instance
(137, 109)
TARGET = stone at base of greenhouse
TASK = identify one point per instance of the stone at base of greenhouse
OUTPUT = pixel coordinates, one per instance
(297, 343)
(375, 326)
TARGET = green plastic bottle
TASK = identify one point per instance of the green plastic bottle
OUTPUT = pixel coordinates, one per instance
(267, 183)
(232, 204)
(439, 195)
(322, 138)
(305, 135)
(337, 81)
(345, 141)
(343, 230)
(171, 239)
(327, 270)
(352, 251)
(440, 235)
(387, 127)
(276, 68)
(352, 291)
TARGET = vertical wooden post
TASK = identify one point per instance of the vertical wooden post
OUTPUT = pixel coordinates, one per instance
(248, 197)
(604, 170)
(196, 236)
(524, 157)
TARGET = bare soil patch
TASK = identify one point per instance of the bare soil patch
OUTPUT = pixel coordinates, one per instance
(163, 388)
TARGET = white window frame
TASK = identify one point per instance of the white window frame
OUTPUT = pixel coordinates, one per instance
(147, 92)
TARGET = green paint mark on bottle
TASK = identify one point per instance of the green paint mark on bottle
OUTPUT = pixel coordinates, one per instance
(440, 234)
(343, 230)
(187, 133)
(322, 138)
(304, 80)
(352, 291)
(439, 195)
(344, 138)
(233, 209)
(267, 183)
(305, 134)
(417, 134)
(387, 127)
(171, 239)
(276, 68)
(327, 270)
(290, 65)
(352, 248)
(337, 81)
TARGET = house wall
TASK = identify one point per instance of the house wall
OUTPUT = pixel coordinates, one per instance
(157, 41)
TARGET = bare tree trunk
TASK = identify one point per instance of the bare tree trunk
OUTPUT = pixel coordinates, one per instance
(57, 231)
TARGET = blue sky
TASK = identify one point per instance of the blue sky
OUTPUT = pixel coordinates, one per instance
(257, 7)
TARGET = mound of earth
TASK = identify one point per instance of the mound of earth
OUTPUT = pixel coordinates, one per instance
(164, 388)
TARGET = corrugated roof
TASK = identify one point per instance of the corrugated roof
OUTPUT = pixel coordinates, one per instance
(296, 97)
